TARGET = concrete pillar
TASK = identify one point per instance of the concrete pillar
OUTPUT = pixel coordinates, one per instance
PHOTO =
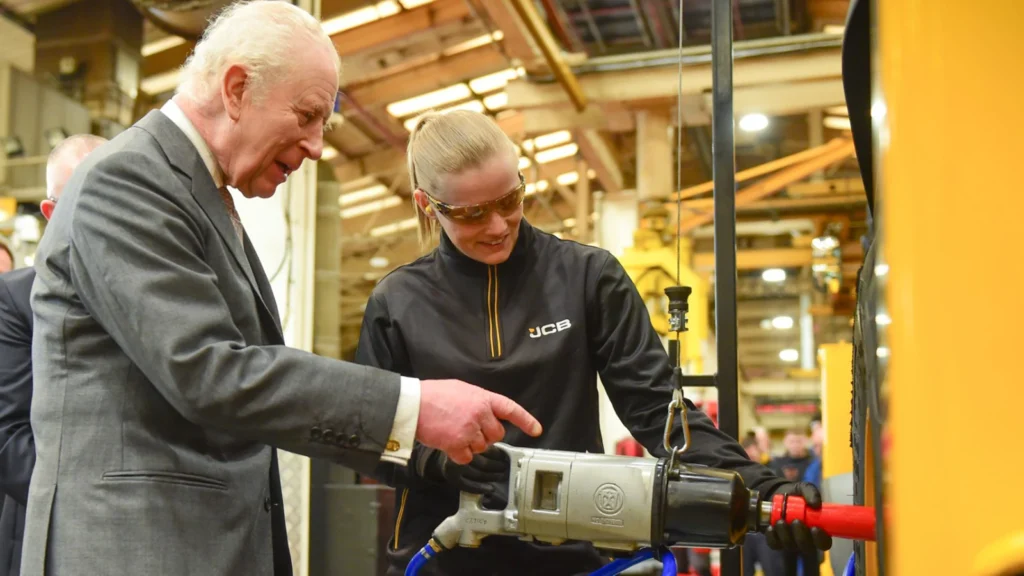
(617, 220)
(653, 155)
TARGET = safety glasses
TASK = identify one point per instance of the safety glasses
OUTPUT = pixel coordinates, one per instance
(504, 205)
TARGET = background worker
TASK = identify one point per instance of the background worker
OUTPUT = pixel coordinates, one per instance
(473, 308)
(17, 448)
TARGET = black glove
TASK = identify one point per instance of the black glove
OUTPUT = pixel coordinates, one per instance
(478, 477)
(796, 535)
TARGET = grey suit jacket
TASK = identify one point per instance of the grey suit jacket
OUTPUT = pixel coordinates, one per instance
(161, 377)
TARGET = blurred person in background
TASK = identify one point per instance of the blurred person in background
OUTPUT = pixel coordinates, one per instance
(793, 465)
(17, 447)
(6, 258)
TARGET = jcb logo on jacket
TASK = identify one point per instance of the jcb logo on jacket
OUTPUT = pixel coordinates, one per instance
(548, 329)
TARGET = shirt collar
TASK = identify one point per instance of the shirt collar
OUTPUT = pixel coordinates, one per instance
(177, 115)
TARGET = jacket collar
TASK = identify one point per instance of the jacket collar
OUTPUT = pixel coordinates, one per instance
(452, 256)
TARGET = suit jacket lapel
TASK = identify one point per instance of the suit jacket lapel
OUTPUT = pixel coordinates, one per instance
(184, 156)
(264, 286)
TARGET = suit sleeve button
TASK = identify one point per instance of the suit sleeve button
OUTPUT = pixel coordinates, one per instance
(329, 436)
(353, 440)
(315, 433)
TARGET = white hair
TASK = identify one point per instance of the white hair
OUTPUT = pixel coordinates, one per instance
(259, 35)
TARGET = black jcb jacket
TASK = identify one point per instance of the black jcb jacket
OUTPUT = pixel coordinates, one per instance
(539, 329)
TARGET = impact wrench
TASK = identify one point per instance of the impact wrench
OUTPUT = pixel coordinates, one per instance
(630, 505)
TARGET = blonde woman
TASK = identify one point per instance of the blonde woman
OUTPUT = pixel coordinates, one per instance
(528, 315)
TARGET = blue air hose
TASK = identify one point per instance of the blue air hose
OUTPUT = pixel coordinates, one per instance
(611, 569)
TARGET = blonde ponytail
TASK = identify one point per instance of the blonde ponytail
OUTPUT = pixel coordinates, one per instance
(448, 143)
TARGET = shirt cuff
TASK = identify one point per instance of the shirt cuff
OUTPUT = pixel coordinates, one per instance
(403, 431)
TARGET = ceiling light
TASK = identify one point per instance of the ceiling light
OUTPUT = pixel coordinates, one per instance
(825, 243)
(496, 101)
(548, 140)
(162, 44)
(379, 262)
(837, 29)
(418, 104)
(882, 352)
(524, 163)
(360, 17)
(369, 207)
(883, 319)
(837, 122)
(789, 355)
(766, 324)
(837, 111)
(753, 122)
(409, 4)
(881, 269)
(368, 193)
(569, 222)
(534, 187)
(782, 322)
(392, 228)
(472, 43)
(492, 82)
(774, 275)
(474, 105)
(878, 110)
(552, 154)
(329, 153)
(568, 178)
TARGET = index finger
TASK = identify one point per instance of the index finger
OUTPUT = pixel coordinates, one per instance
(505, 409)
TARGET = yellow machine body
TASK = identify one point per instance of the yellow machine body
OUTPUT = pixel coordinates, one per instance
(950, 114)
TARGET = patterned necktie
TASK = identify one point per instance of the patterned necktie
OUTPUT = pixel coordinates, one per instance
(229, 203)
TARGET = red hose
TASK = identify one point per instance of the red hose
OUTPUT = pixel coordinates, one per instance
(837, 520)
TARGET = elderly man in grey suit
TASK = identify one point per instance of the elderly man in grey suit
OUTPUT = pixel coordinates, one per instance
(162, 381)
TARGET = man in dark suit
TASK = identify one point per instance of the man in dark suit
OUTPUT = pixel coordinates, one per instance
(17, 449)
(162, 382)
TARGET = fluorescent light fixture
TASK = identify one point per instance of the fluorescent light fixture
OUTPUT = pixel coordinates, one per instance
(474, 105)
(552, 154)
(379, 262)
(361, 209)
(569, 222)
(418, 104)
(837, 122)
(789, 355)
(29, 260)
(837, 111)
(881, 269)
(591, 173)
(410, 4)
(524, 163)
(878, 110)
(782, 322)
(825, 243)
(388, 229)
(160, 83)
(547, 140)
(838, 29)
(773, 275)
(534, 187)
(753, 122)
(161, 45)
(568, 178)
(329, 153)
(363, 195)
(361, 16)
(474, 43)
(496, 101)
(492, 82)
(883, 319)
(766, 324)
(882, 352)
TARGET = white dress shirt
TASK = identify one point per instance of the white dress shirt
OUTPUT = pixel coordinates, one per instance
(403, 431)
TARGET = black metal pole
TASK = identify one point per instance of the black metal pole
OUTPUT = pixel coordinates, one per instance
(724, 176)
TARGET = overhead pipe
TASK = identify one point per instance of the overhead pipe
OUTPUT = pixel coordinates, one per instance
(562, 73)
(698, 54)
